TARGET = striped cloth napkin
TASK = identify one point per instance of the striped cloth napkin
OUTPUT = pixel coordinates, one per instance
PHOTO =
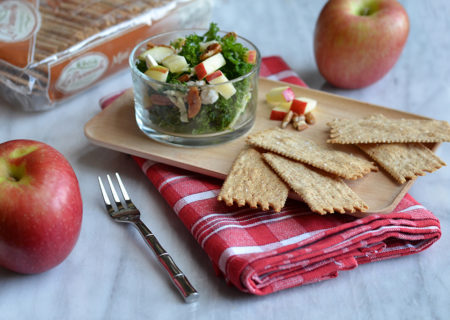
(261, 252)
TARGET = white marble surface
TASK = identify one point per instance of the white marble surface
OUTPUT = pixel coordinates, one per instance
(112, 275)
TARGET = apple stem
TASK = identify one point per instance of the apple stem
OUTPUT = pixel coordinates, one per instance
(365, 11)
(13, 179)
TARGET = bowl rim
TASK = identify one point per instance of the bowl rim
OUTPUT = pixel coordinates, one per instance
(136, 71)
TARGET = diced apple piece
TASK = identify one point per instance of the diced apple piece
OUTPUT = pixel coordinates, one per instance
(303, 105)
(176, 63)
(280, 96)
(227, 89)
(158, 53)
(312, 104)
(250, 56)
(284, 105)
(150, 61)
(209, 65)
(159, 73)
(298, 106)
(278, 113)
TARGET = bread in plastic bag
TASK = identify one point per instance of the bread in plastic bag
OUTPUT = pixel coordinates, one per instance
(51, 50)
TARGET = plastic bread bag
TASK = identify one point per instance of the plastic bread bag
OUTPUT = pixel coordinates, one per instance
(52, 50)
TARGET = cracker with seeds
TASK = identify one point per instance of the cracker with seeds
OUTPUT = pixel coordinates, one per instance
(403, 161)
(252, 182)
(379, 129)
(295, 146)
(322, 192)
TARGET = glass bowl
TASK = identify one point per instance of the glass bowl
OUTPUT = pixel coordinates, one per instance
(166, 112)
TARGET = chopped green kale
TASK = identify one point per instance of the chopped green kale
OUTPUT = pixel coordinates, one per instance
(233, 52)
(141, 65)
(211, 34)
(211, 118)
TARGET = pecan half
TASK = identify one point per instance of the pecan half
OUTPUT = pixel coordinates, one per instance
(194, 102)
(299, 123)
(150, 45)
(184, 78)
(230, 34)
(309, 118)
(287, 119)
(160, 100)
(211, 50)
(167, 46)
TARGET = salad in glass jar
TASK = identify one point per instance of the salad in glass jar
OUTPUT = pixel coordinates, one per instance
(195, 89)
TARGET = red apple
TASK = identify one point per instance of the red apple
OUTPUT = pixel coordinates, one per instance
(40, 206)
(357, 42)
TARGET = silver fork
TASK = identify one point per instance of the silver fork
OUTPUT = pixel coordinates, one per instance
(130, 214)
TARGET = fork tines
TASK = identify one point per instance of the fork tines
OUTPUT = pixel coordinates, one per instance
(116, 198)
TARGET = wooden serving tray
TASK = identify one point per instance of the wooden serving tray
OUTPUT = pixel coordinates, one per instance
(115, 128)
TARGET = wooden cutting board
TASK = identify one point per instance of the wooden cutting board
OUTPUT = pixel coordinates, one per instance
(115, 128)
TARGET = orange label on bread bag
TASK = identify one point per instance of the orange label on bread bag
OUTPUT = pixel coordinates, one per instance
(72, 75)
(19, 22)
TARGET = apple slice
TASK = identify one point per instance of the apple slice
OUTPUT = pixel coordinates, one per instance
(278, 113)
(303, 105)
(176, 63)
(227, 89)
(298, 106)
(209, 65)
(150, 61)
(159, 73)
(250, 56)
(280, 96)
(158, 53)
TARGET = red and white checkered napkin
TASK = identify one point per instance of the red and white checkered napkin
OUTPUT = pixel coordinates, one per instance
(261, 252)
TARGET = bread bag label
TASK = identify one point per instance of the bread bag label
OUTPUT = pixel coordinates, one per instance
(19, 22)
(82, 72)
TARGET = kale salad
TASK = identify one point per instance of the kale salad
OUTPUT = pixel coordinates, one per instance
(206, 83)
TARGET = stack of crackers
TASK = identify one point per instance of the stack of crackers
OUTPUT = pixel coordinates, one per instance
(395, 144)
(277, 161)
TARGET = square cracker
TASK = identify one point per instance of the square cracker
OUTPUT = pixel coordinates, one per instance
(403, 161)
(295, 146)
(379, 129)
(323, 193)
(252, 182)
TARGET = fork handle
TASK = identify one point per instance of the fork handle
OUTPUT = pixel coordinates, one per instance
(177, 276)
